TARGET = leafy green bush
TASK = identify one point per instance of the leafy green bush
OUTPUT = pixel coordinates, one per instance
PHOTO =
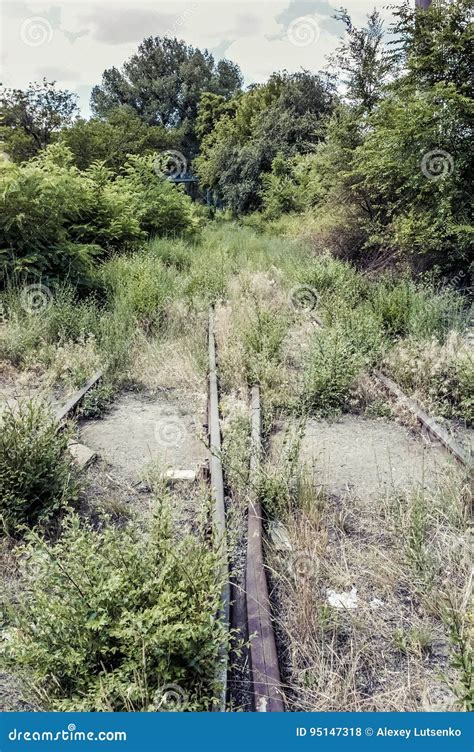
(110, 618)
(36, 474)
(39, 201)
(161, 207)
(332, 368)
(339, 354)
(279, 193)
(55, 220)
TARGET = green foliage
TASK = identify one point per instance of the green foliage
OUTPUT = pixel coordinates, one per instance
(419, 202)
(183, 73)
(31, 119)
(279, 193)
(141, 285)
(40, 201)
(66, 318)
(55, 219)
(161, 207)
(435, 46)
(176, 254)
(211, 108)
(95, 403)
(111, 141)
(286, 115)
(363, 61)
(339, 354)
(460, 631)
(392, 178)
(36, 476)
(110, 617)
(262, 336)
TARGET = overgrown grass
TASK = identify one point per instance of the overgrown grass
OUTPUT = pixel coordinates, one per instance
(405, 644)
(36, 473)
(131, 619)
(257, 274)
(441, 375)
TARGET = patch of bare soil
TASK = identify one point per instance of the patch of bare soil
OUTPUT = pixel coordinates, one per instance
(142, 429)
(369, 457)
(15, 386)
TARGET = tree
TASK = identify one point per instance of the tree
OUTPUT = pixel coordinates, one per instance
(362, 60)
(163, 82)
(31, 119)
(112, 140)
(211, 108)
(286, 116)
(434, 45)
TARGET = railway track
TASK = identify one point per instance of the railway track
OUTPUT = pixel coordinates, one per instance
(250, 612)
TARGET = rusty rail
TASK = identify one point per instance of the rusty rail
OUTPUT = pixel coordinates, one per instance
(433, 428)
(267, 689)
(73, 401)
(219, 515)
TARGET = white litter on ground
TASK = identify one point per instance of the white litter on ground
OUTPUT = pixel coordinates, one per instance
(376, 603)
(342, 600)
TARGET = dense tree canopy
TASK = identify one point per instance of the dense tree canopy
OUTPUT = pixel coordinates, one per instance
(392, 175)
(113, 139)
(286, 115)
(382, 165)
(30, 119)
(163, 83)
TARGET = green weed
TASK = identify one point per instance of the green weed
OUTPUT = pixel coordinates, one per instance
(36, 474)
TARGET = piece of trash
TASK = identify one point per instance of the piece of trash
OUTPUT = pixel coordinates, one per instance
(376, 603)
(342, 600)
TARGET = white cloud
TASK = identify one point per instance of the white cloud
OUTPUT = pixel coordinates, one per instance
(77, 40)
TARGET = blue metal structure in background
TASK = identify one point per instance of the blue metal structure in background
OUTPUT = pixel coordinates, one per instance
(192, 182)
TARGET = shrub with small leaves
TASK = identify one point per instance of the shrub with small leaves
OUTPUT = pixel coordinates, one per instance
(36, 472)
(109, 618)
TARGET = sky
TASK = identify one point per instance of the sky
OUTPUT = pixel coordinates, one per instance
(73, 42)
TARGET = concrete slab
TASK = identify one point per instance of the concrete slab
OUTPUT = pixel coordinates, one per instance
(81, 454)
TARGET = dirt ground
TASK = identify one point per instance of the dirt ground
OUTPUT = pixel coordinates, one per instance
(142, 429)
(368, 457)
